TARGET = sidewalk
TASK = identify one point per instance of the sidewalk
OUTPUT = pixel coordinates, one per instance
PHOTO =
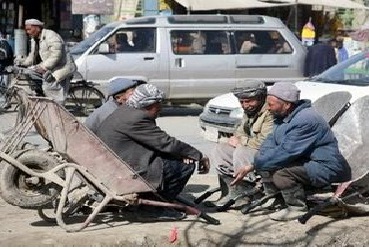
(22, 227)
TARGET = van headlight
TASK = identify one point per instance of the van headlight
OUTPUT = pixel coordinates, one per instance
(236, 113)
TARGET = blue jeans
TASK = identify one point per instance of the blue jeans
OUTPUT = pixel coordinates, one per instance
(175, 177)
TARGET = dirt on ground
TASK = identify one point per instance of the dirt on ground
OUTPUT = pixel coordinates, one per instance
(24, 227)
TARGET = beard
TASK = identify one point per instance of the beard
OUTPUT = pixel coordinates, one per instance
(251, 112)
(278, 115)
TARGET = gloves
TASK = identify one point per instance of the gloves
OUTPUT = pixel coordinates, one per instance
(48, 77)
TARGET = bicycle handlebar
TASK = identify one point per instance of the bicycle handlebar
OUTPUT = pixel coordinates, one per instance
(28, 72)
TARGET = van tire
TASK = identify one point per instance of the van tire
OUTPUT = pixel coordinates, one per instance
(13, 186)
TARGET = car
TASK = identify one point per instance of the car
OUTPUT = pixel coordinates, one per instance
(222, 114)
(220, 117)
(351, 75)
(191, 58)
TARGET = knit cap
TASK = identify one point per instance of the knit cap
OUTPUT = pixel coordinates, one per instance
(119, 84)
(285, 91)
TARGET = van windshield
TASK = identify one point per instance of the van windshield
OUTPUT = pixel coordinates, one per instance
(82, 46)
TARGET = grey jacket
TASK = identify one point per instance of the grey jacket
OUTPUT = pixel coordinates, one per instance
(137, 140)
(95, 119)
(54, 55)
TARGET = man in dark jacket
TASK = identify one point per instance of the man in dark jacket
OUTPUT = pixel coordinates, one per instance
(320, 57)
(301, 151)
(131, 132)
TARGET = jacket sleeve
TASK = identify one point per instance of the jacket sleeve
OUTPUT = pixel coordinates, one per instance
(261, 129)
(298, 140)
(148, 133)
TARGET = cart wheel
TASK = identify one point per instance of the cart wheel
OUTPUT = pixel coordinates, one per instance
(82, 100)
(19, 189)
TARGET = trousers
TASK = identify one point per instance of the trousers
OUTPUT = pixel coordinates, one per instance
(228, 159)
(175, 177)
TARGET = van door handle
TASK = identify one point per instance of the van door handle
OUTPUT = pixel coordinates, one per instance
(178, 62)
(148, 58)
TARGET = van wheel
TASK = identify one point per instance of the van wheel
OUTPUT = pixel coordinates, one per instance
(20, 189)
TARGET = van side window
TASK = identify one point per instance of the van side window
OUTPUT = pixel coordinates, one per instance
(132, 41)
(261, 42)
(192, 42)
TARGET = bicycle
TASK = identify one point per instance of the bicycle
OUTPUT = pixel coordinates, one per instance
(82, 97)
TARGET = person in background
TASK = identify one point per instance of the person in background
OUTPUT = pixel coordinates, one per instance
(342, 53)
(320, 56)
(49, 56)
(6, 59)
(239, 150)
(248, 44)
(301, 152)
(119, 89)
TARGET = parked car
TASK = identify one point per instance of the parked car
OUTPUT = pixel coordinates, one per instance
(222, 114)
(192, 58)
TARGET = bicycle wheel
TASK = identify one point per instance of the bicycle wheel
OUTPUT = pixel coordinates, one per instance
(82, 100)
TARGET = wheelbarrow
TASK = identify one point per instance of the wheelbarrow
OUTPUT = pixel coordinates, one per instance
(76, 160)
(349, 198)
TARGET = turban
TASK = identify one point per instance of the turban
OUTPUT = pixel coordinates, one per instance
(145, 95)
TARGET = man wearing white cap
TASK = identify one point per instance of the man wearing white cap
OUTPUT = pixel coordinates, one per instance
(49, 56)
(301, 152)
(119, 89)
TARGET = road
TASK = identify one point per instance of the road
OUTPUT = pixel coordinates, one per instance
(22, 227)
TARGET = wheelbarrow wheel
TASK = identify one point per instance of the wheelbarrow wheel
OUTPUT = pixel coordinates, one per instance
(19, 189)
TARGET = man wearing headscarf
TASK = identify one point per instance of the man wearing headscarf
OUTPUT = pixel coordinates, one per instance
(49, 56)
(119, 89)
(131, 132)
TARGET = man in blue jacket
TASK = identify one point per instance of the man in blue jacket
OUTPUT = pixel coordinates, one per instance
(301, 151)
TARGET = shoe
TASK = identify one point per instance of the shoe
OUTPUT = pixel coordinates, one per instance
(152, 213)
(237, 193)
(294, 198)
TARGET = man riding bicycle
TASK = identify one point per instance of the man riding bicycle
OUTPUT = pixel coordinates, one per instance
(49, 56)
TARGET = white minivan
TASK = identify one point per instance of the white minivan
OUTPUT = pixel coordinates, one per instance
(192, 58)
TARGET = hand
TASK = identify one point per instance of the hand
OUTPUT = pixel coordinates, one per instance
(240, 174)
(204, 165)
(233, 141)
(39, 69)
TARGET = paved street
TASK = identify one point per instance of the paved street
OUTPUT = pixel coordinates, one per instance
(22, 227)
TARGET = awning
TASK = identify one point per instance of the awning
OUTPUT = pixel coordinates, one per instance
(226, 4)
(346, 4)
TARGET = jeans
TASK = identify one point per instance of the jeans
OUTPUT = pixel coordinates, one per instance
(175, 177)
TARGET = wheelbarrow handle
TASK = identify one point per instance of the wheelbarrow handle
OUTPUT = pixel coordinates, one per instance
(209, 219)
(206, 195)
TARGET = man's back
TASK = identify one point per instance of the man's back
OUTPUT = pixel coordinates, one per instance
(135, 138)
(319, 58)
